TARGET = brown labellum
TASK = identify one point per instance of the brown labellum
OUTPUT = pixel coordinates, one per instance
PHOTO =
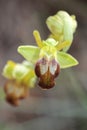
(46, 81)
(12, 100)
(47, 71)
(15, 92)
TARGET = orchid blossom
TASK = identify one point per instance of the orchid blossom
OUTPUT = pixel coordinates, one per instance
(48, 58)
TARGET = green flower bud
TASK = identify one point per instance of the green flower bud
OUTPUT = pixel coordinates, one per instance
(62, 27)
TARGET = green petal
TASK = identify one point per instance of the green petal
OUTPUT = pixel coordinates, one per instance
(8, 69)
(30, 53)
(20, 71)
(66, 60)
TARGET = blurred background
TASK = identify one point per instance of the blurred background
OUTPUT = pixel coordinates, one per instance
(65, 106)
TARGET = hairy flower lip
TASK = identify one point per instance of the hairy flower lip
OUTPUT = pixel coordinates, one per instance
(44, 86)
(15, 92)
(47, 71)
(52, 65)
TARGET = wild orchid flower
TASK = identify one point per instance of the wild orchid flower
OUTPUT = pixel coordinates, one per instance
(48, 59)
(44, 61)
(20, 77)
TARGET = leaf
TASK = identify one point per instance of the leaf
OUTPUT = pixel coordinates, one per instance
(30, 53)
(66, 60)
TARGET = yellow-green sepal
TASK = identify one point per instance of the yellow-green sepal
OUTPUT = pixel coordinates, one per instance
(66, 60)
(30, 53)
(8, 69)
